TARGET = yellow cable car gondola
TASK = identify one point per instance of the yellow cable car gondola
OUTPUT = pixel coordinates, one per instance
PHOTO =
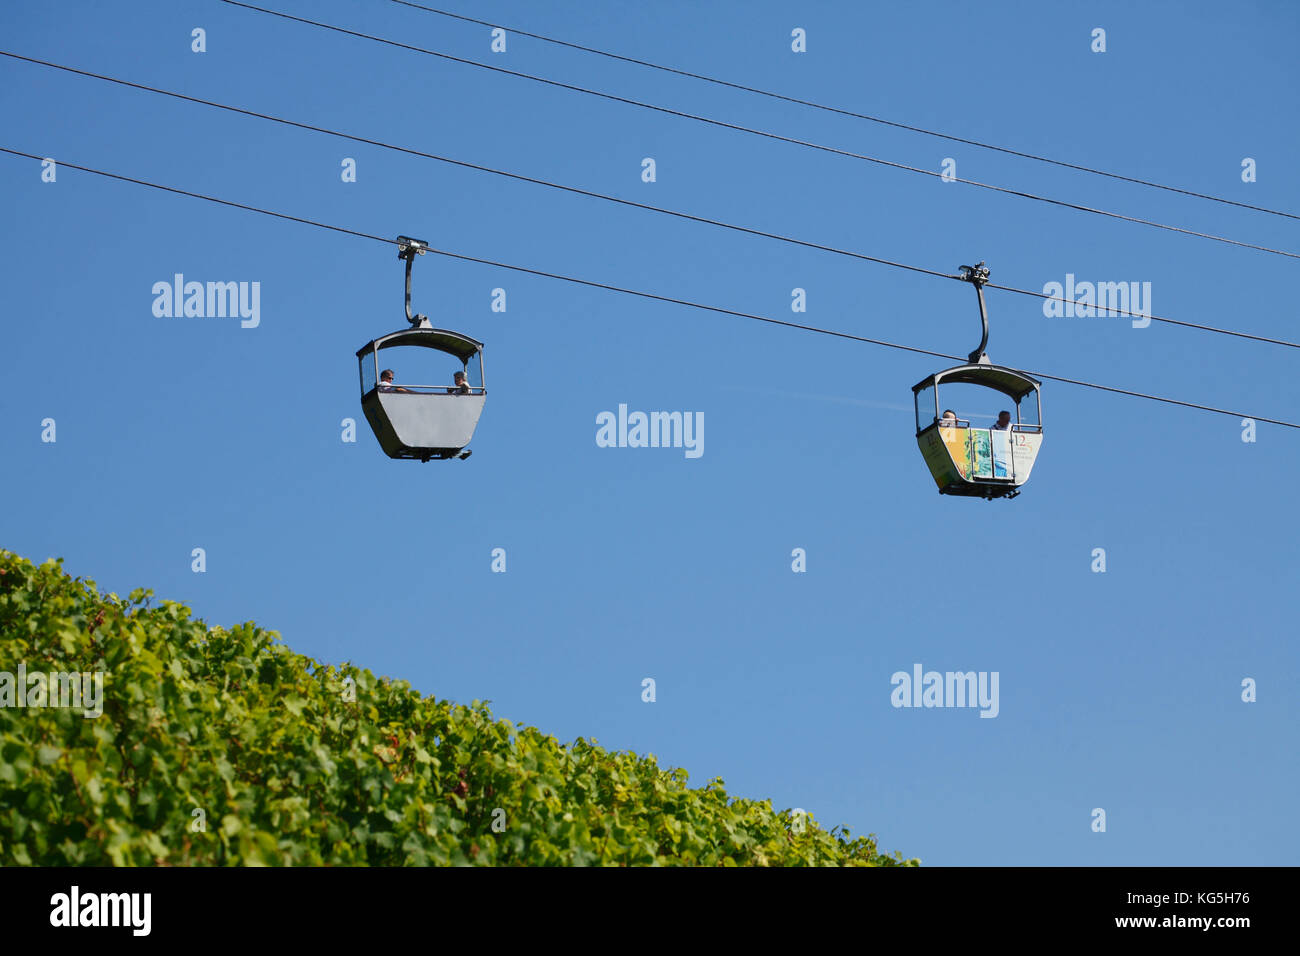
(972, 461)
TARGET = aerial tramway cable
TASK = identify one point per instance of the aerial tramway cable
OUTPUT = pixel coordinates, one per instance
(840, 111)
(620, 201)
(768, 134)
(635, 292)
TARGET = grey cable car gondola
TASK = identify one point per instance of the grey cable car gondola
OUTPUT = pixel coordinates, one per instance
(980, 462)
(421, 422)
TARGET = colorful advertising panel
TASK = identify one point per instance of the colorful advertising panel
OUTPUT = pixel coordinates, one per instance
(981, 453)
(938, 457)
(1024, 452)
(954, 439)
(1000, 439)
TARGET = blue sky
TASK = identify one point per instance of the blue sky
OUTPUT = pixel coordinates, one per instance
(1119, 690)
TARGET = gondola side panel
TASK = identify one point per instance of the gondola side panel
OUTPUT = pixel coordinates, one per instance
(938, 458)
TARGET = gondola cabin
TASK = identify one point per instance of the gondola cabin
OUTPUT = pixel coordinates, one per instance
(419, 419)
(979, 460)
(417, 406)
(965, 456)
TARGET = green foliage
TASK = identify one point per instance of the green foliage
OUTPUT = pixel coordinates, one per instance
(222, 747)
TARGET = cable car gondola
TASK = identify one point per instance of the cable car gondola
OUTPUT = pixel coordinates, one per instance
(422, 422)
(971, 461)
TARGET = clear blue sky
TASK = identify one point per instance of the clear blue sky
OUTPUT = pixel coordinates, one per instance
(1119, 690)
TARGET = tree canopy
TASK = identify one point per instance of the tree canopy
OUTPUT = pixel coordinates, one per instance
(221, 746)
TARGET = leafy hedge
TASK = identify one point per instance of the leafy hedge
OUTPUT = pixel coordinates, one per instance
(223, 747)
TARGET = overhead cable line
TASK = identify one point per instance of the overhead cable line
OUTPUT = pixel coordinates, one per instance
(843, 112)
(626, 202)
(636, 292)
(768, 134)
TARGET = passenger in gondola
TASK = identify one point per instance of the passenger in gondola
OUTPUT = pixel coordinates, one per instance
(949, 418)
(386, 382)
(461, 387)
(1001, 463)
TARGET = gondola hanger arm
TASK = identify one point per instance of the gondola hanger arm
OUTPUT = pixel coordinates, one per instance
(977, 275)
(408, 248)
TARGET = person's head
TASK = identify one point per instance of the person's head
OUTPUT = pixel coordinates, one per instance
(386, 375)
(1004, 418)
(949, 415)
(460, 378)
